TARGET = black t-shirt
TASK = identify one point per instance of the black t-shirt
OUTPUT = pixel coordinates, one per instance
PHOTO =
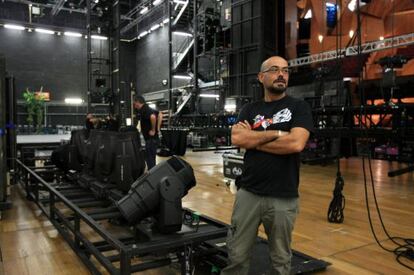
(270, 174)
(88, 124)
(145, 118)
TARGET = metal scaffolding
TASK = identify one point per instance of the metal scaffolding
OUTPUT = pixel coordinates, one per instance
(388, 43)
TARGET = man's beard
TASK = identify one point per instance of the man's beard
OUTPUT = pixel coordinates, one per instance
(277, 90)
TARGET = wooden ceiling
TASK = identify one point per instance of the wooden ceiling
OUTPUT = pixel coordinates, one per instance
(379, 18)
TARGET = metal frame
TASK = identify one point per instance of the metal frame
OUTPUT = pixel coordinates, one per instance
(72, 198)
(105, 64)
(364, 114)
(388, 43)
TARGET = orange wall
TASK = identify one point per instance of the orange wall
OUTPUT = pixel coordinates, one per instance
(372, 26)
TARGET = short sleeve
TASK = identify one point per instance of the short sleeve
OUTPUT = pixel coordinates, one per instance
(302, 116)
(146, 113)
(244, 113)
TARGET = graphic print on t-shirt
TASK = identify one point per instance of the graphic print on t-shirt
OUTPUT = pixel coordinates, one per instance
(284, 115)
(260, 120)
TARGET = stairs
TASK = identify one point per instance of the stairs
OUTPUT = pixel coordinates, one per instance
(165, 118)
(182, 46)
(183, 14)
(181, 52)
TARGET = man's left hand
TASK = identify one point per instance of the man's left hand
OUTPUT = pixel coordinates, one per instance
(151, 133)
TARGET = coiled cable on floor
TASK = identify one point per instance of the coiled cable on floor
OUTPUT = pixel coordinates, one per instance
(337, 205)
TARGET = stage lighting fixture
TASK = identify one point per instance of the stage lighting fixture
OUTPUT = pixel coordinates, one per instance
(158, 193)
(396, 61)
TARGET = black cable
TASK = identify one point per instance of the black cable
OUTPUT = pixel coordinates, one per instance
(405, 250)
(337, 205)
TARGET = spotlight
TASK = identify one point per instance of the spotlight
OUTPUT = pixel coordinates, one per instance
(396, 61)
(159, 191)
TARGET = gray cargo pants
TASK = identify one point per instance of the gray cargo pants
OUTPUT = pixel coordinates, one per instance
(278, 217)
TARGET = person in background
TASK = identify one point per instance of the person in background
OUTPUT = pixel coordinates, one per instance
(159, 121)
(89, 124)
(148, 120)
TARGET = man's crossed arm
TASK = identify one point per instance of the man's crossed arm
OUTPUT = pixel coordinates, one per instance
(271, 141)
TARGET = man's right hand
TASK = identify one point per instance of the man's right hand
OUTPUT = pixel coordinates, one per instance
(243, 125)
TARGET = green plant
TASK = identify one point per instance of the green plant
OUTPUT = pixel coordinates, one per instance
(35, 104)
(30, 99)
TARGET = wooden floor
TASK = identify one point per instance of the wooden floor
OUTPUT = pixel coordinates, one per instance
(30, 245)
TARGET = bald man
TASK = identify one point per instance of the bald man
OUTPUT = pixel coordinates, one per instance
(273, 131)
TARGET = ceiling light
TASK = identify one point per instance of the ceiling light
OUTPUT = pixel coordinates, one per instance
(44, 31)
(230, 107)
(209, 95)
(74, 101)
(99, 37)
(182, 77)
(29, 30)
(353, 5)
(14, 27)
(381, 38)
(180, 2)
(35, 10)
(144, 10)
(183, 34)
(308, 14)
(320, 38)
(156, 26)
(157, 2)
(96, 1)
(73, 34)
(142, 34)
(351, 33)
